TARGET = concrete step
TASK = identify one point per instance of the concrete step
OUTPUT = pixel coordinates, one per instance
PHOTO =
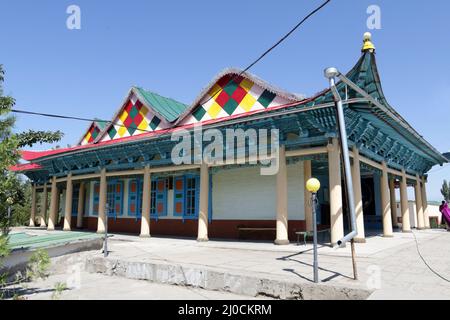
(222, 280)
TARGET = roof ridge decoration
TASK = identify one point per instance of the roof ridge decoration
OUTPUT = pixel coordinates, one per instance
(366, 75)
(368, 45)
(233, 92)
(94, 129)
(135, 116)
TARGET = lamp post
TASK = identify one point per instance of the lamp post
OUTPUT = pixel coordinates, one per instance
(313, 185)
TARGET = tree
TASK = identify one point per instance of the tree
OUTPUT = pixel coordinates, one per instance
(12, 187)
(445, 190)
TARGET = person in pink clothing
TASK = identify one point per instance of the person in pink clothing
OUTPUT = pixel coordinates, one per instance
(445, 211)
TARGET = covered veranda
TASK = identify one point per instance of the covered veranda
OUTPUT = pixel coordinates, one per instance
(384, 148)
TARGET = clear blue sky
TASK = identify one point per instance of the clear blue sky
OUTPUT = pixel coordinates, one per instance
(176, 47)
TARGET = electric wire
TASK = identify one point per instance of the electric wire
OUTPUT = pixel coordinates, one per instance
(282, 39)
(425, 262)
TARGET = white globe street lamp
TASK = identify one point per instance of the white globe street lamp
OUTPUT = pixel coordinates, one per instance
(313, 185)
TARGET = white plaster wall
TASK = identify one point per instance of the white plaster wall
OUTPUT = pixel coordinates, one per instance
(170, 203)
(244, 194)
(412, 213)
(433, 211)
(91, 198)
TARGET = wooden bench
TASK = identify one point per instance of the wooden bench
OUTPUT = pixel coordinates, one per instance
(306, 234)
(240, 229)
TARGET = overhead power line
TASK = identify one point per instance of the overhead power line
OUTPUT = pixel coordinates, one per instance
(271, 48)
(307, 17)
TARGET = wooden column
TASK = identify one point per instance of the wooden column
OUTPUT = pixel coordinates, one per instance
(54, 206)
(357, 190)
(68, 206)
(419, 208)
(425, 204)
(307, 173)
(385, 202)
(33, 205)
(393, 202)
(146, 199)
(202, 235)
(406, 223)
(282, 212)
(101, 221)
(80, 207)
(43, 207)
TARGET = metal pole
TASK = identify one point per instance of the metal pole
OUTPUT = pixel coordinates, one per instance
(105, 247)
(314, 216)
(331, 73)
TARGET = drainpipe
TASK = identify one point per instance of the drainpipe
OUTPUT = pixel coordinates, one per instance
(330, 74)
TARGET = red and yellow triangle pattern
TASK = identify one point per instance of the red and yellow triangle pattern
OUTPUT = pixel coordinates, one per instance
(233, 95)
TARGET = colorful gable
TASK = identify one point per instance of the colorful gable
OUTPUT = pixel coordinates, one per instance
(233, 95)
(92, 133)
(133, 119)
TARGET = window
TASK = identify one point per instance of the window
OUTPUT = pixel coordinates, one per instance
(192, 196)
(158, 198)
(158, 206)
(186, 196)
(135, 198)
(75, 197)
(114, 198)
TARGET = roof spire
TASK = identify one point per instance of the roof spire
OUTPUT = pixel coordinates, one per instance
(368, 45)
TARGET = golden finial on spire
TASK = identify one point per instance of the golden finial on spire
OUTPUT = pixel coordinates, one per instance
(368, 45)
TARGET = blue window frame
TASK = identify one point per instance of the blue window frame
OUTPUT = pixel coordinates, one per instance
(192, 195)
(158, 205)
(187, 196)
(179, 190)
(75, 197)
(135, 198)
(114, 198)
(158, 198)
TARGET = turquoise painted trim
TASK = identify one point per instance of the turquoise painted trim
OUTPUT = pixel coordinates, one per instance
(114, 198)
(160, 198)
(179, 196)
(196, 190)
(135, 198)
(75, 197)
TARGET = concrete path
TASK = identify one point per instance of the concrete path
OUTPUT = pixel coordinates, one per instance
(391, 268)
(101, 287)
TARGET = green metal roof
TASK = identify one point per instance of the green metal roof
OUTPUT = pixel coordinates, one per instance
(169, 108)
(100, 124)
